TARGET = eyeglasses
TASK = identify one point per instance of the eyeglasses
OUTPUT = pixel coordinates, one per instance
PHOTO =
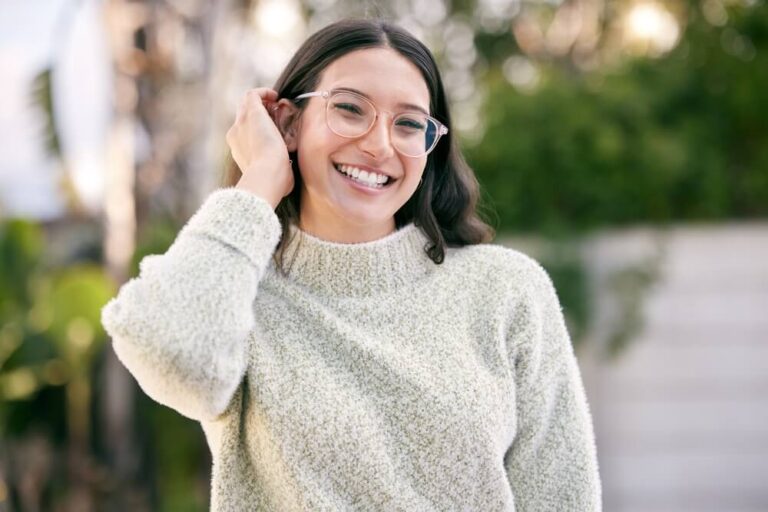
(351, 115)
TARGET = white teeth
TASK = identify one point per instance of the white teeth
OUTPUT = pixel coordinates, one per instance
(369, 178)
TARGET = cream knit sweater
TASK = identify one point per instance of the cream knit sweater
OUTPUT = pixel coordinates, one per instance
(369, 378)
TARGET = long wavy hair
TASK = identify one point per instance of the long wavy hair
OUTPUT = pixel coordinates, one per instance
(444, 206)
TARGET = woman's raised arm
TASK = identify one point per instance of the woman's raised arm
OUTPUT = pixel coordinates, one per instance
(181, 327)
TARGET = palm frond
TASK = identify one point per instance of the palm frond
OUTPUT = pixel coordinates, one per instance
(42, 98)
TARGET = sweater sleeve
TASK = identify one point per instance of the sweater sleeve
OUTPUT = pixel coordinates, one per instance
(552, 462)
(181, 326)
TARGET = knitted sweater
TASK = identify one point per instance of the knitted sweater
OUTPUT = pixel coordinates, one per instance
(368, 377)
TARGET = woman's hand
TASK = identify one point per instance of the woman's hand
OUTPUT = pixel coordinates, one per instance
(258, 147)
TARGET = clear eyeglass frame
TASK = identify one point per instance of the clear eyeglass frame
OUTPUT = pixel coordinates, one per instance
(440, 128)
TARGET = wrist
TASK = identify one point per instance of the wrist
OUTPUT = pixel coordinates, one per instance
(258, 190)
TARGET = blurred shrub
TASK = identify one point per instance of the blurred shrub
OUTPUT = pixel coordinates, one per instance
(49, 316)
(678, 138)
(51, 347)
(49, 335)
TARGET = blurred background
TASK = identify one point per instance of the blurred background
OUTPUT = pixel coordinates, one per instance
(622, 143)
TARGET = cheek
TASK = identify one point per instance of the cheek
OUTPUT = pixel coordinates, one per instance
(316, 140)
(414, 169)
(316, 147)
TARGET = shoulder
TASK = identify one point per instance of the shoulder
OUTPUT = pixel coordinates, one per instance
(505, 280)
(494, 273)
(503, 264)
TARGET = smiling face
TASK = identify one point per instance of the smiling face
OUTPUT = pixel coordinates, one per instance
(333, 205)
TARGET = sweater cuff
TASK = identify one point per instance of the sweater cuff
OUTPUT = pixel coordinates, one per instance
(239, 219)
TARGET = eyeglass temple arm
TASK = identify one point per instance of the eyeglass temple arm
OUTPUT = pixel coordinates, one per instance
(310, 94)
(302, 96)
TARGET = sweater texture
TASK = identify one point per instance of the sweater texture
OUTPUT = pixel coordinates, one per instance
(367, 377)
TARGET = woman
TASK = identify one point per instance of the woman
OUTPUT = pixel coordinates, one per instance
(334, 321)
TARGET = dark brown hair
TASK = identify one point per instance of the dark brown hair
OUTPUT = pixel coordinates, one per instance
(444, 206)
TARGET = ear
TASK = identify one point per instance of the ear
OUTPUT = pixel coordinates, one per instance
(287, 116)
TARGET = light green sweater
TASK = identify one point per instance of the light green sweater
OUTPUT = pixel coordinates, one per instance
(369, 378)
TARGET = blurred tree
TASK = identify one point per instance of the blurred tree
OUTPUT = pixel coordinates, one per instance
(676, 138)
(50, 334)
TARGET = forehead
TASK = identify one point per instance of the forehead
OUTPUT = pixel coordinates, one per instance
(381, 73)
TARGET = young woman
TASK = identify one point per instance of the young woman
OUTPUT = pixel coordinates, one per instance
(337, 325)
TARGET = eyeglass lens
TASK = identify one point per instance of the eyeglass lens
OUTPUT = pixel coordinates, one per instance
(349, 115)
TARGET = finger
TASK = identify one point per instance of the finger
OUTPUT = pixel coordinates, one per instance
(267, 93)
(262, 93)
(257, 96)
(260, 99)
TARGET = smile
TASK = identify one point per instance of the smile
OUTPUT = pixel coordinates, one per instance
(370, 179)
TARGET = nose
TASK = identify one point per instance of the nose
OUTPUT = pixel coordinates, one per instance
(378, 141)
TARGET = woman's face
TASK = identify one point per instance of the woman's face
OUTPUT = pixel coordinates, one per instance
(393, 84)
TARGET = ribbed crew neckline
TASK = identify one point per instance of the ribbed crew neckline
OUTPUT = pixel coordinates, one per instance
(357, 269)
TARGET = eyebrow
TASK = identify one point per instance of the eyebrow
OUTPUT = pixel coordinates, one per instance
(409, 106)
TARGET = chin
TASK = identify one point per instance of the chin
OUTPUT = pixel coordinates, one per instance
(362, 218)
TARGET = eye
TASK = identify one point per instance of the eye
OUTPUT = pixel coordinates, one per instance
(348, 107)
(410, 123)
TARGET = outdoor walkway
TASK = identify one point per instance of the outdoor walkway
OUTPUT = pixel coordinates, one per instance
(681, 417)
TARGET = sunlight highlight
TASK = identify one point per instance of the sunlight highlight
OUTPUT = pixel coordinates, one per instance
(649, 28)
(276, 18)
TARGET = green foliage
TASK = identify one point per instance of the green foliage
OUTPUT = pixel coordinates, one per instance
(75, 300)
(50, 340)
(182, 460)
(21, 248)
(679, 138)
(628, 287)
(50, 322)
